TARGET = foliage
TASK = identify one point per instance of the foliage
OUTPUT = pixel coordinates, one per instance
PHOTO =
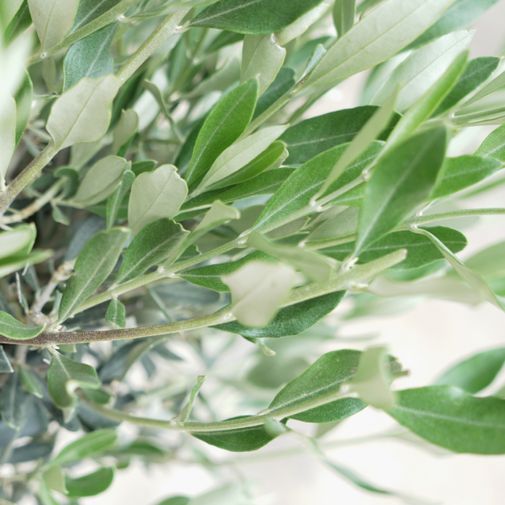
(168, 195)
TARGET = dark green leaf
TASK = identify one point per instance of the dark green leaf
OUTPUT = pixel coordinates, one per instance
(298, 190)
(420, 250)
(94, 264)
(89, 57)
(239, 440)
(462, 172)
(401, 181)
(315, 135)
(290, 320)
(284, 81)
(19, 23)
(449, 417)
(158, 242)
(225, 123)
(90, 485)
(475, 373)
(253, 16)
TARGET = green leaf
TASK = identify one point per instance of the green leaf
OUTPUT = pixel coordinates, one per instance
(372, 381)
(238, 156)
(253, 16)
(298, 190)
(65, 376)
(420, 250)
(239, 440)
(262, 58)
(461, 13)
(90, 485)
(52, 19)
(116, 199)
(401, 181)
(344, 12)
(225, 123)
(323, 379)
(476, 372)
(311, 137)
(489, 262)
(89, 57)
(449, 417)
(474, 280)
(11, 328)
(494, 145)
(24, 98)
(100, 180)
(175, 500)
(383, 32)
(464, 171)
(18, 241)
(425, 107)
(372, 130)
(116, 313)
(94, 264)
(218, 214)
(89, 445)
(158, 242)
(7, 137)
(284, 81)
(82, 114)
(15, 263)
(313, 265)
(5, 364)
(90, 10)
(155, 195)
(422, 69)
(476, 73)
(258, 289)
(125, 129)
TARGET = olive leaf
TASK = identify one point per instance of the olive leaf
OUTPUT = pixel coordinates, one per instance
(11, 328)
(7, 137)
(94, 264)
(82, 114)
(155, 195)
(258, 289)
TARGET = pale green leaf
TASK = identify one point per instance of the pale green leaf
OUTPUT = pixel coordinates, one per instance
(18, 241)
(344, 12)
(386, 30)
(82, 114)
(13, 329)
(240, 154)
(89, 445)
(372, 381)
(258, 290)
(125, 129)
(494, 145)
(116, 313)
(155, 195)
(52, 19)
(262, 58)
(7, 137)
(424, 66)
(100, 180)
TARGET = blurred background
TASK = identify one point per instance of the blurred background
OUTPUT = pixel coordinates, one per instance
(426, 338)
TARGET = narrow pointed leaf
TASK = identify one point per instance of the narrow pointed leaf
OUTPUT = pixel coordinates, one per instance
(401, 181)
(11, 328)
(94, 264)
(494, 145)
